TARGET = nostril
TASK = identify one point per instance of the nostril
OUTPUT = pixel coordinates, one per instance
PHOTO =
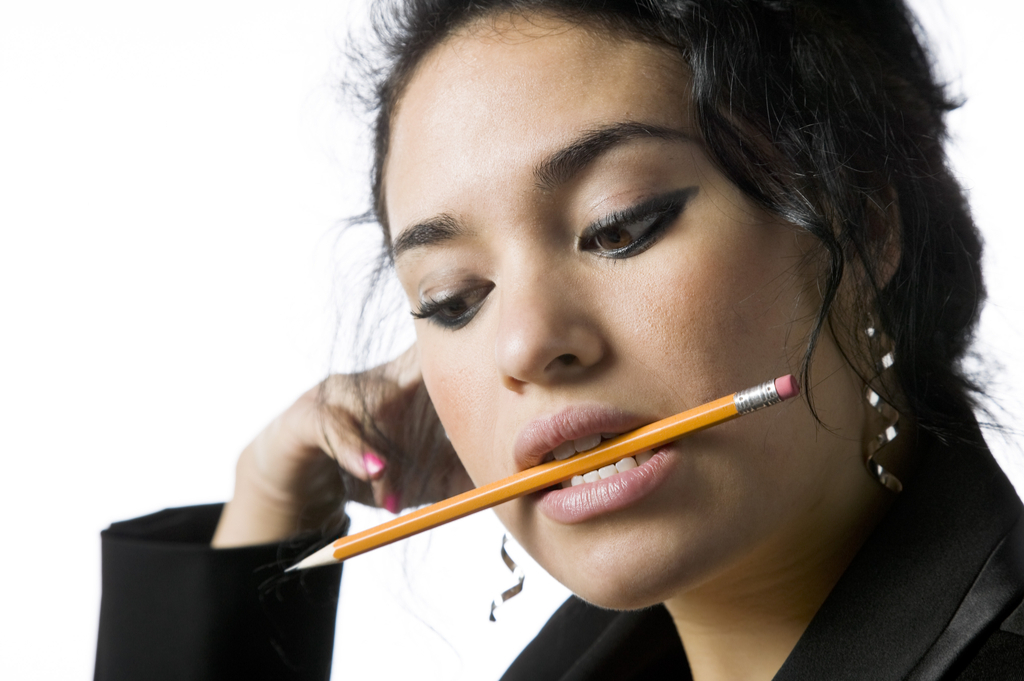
(566, 359)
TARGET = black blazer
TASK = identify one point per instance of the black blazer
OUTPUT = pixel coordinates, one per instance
(935, 593)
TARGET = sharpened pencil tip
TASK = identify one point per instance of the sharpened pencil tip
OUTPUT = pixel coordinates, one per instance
(324, 556)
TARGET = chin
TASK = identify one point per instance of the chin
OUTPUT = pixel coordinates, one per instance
(625, 575)
(612, 600)
(621, 592)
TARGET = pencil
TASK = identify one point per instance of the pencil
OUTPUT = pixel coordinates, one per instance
(554, 472)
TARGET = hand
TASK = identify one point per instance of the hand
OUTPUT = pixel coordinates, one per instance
(371, 437)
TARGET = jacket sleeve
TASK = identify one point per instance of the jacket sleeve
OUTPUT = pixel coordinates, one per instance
(174, 608)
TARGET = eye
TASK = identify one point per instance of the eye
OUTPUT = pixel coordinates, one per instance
(453, 310)
(632, 231)
(616, 237)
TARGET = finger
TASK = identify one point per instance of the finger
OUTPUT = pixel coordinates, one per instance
(365, 465)
(320, 430)
(348, 451)
(374, 465)
(386, 496)
(381, 487)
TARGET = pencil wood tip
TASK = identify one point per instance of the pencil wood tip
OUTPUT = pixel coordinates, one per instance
(324, 556)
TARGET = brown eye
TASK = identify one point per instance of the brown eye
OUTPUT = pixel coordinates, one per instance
(613, 239)
(454, 310)
(632, 231)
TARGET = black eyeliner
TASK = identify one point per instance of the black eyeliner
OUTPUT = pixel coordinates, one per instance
(432, 309)
(657, 207)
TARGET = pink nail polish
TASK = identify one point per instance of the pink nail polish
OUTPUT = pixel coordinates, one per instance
(373, 464)
(391, 503)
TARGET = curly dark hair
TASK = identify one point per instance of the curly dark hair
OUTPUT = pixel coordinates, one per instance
(827, 113)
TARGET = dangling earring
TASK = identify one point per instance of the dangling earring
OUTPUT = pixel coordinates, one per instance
(892, 420)
(517, 572)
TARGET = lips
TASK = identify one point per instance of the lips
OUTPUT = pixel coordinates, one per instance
(579, 423)
(577, 429)
(579, 503)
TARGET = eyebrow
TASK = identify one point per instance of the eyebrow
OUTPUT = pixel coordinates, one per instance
(569, 161)
(433, 232)
(556, 170)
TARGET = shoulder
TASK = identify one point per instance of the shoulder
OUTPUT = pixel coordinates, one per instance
(582, 642)
(1000, 655)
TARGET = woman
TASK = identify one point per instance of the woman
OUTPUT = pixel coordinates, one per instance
(604, 213)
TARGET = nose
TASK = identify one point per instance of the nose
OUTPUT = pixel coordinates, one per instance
(546, 334)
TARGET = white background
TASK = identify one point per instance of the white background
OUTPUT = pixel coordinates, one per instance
(171, 180)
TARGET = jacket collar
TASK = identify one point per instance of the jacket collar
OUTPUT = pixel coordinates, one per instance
(941, 568)
(931, 558)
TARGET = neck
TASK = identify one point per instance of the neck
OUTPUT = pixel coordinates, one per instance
(744, 623)
(747, 631)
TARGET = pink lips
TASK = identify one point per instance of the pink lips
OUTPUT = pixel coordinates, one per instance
(577, 504)
(544, 434)
(580, 503)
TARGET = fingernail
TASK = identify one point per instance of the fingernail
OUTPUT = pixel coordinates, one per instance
(373, 464)
(391, 503)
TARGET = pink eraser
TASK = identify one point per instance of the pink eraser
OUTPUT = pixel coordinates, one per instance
(787, 386)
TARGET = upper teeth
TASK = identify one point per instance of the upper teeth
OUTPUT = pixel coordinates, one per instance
(570, 447)
(608, 471)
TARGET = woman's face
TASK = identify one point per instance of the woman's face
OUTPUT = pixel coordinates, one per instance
(580, 267)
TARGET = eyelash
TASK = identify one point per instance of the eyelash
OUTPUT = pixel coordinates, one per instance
(455, 310)
(660, 212)
(434, 309)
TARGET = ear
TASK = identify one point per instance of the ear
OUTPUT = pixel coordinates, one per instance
(884, 231)
(872, 260)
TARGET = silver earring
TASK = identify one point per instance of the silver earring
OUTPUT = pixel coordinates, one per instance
(517, 572)
(891, 430)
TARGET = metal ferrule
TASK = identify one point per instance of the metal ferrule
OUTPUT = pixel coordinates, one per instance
(758, 397)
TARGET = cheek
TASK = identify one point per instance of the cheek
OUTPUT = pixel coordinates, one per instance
(717, 312)
(461, 380)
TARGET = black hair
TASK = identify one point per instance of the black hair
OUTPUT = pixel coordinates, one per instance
(828, 114)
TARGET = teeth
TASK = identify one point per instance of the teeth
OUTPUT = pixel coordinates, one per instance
(608, 471)
(564, 450)
(588, 442)
(567, 449)
(625, 464)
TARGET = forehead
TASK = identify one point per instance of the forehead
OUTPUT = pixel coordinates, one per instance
(489, 103)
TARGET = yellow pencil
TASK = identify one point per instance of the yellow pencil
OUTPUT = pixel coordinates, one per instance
(554, 472)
